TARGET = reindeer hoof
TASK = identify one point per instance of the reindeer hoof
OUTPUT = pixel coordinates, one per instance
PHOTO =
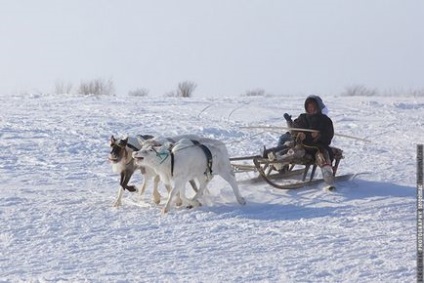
(193, 205)
(131, 189)
(241, 201)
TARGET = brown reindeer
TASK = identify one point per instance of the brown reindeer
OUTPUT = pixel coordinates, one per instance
(122, 162)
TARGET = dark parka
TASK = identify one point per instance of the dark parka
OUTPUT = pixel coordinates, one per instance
(318, 121)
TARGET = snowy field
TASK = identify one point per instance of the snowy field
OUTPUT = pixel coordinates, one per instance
(57, 189)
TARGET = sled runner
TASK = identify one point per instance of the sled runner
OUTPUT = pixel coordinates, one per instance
(281, 173)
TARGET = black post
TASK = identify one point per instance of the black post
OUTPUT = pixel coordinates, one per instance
(420, 230)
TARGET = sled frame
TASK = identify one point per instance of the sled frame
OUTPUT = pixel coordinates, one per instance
(281, 178)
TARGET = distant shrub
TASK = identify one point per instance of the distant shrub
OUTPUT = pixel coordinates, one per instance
(139, 92)
(403, 92)
(184, 89)
(97, 87)
(254, 92)
(359, 90)
(61, 87)
(417, 92)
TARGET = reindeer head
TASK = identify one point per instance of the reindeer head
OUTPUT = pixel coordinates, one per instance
(151, 155)
(118, 149)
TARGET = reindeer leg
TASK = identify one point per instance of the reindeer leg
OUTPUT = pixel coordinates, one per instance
(156, 194)
(145, 182)
(180, 198)
(202, 187)
(178, 201)
(231, 179)
(127, 177)
(181, 195)
(190, 203)
(143, 187)
(171, 196)
(193, 185)
(118, 201)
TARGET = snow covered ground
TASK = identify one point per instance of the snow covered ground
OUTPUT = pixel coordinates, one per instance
(57, 189)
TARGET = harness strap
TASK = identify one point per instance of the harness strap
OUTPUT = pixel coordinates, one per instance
(208, 156)
(171, 140)
(172, 163)
(146, 137)
(132, 147)
(167, 154)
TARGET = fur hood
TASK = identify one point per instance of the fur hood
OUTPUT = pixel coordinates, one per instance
(321, 106)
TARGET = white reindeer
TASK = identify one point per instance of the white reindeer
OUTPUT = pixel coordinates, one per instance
(188, 160)
(122, 162)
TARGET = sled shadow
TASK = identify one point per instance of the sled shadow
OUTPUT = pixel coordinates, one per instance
(347, 194)
(363, 189)
(271, 212)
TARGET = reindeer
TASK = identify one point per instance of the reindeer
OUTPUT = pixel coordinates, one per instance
(189, 160)
(122, 162)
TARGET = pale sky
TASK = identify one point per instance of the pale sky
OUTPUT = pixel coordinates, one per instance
(225, 46)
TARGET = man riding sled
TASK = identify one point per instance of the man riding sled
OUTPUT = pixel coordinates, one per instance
(315, 140)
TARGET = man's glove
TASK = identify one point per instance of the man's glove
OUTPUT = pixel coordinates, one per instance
(287, 117)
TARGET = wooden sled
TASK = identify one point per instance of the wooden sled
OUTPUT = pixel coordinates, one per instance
(283, 174)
